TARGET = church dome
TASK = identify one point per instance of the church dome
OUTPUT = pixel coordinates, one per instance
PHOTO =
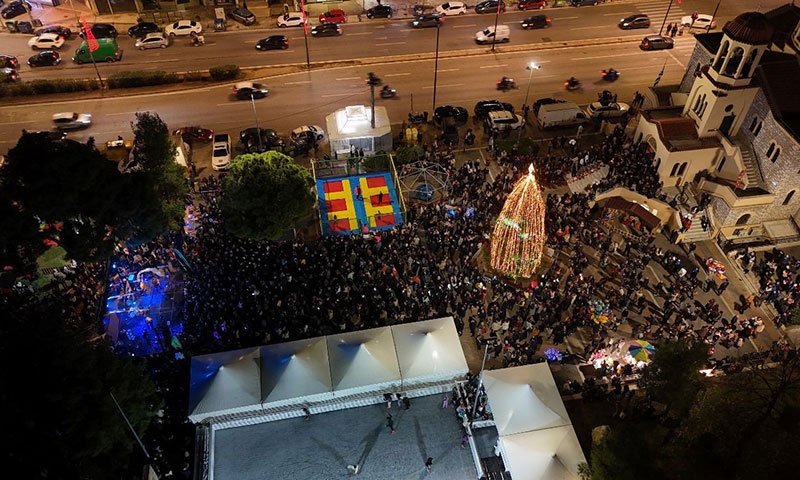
(751, 28)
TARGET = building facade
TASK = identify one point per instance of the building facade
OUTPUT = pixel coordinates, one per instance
(736, 139)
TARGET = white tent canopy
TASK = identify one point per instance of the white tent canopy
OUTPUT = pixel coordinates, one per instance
(225, 382)
(521, 400)
(247, 382)
(551, 453)
(295, 369)
(536, 434)
(429, 351)
(363, 361)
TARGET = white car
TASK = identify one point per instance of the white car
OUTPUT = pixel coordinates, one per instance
(152, 40)
(71, 120)
(314, 132)
(505, 120)
(703, 21)
(221, 152)
(183, 27)
(451, 8)
(46, 41)
(597, 110)
(291, 19)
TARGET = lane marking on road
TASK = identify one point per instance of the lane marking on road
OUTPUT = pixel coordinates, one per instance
(465, 26)
(231, 104)
(396, 74)
(121, 113)
(590, 28)
(494, 66)
(566, 18)
(360, 33)
(605, 56)
(301, 82)
(448, 70)
(340, 94)
(407, 29)
(382, 38)
(390, 43)
(348, 78)
(19, 121)
(625, 14)
(444, 86)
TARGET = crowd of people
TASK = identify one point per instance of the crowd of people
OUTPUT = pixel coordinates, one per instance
(779, 278)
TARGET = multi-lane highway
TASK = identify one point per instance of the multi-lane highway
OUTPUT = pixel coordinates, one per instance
(368, 39)
(306, 98)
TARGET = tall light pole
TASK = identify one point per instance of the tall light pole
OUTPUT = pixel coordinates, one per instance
(531, 67)
(305, 32)
(435, 68)
(496, 19)
(665, 18)
(258, 130)
(714, 15)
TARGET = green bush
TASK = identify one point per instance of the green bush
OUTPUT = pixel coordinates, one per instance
(194, 76)
(377, 163)
(224, 72)
(141, 79)
(42, 87)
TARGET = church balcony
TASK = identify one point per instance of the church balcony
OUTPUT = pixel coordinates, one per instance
(735, 197)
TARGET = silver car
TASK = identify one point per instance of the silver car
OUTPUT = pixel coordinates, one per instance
(71, 120)
(152, 40)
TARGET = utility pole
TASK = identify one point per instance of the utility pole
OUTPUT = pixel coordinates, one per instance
(714, 15)
(133, 431)
(496, 19)
(305, 33)
(531, 66)
(258, 130)
(373, 81)
(435, 68)
(669, 7)
(480, 384)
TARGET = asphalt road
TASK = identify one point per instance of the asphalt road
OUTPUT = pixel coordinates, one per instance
(306, 98)
(368, 39)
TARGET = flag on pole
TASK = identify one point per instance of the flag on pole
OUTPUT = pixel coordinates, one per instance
(90, 40)
(660, 74)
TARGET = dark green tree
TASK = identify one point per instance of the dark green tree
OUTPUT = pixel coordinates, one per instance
(264, 195)
(748, 423)
(60, 420)
(626, 453)
(673, 377)
(66, 181)
(20, 239)
(158, 186)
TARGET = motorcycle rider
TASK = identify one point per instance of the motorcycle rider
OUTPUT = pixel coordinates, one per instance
(506, 82)
(573, 82)
(387, 91)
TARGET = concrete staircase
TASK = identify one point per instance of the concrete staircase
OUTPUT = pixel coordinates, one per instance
(750, 162)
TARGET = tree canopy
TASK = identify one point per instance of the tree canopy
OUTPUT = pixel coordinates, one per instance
(61, 421)
(264, 195)
(673, 377)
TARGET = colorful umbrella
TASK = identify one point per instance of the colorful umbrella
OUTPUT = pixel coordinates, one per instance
(641, 350)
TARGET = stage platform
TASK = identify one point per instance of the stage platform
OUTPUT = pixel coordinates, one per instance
(343, 211)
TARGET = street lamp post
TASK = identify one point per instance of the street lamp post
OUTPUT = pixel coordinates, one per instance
(713, 16)
(669, 7)
(496, 19)
(435, 68)
(255, 115)
(531, 67)
(305, 32)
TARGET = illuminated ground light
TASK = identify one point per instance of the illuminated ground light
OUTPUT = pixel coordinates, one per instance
(518, 237)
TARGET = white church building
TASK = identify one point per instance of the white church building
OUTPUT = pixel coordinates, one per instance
(732, 130)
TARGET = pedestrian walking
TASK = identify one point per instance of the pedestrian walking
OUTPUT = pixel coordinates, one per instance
(445, 401)
(406, 403)
(429, 464)
(674, 31)
(464, 440)
(580, 131)
(669, 28)
(390, 423)
(306, 413)
(353, 469)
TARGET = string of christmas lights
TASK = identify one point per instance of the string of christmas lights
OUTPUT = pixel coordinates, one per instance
(518, 238)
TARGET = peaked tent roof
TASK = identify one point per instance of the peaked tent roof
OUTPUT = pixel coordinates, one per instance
(363, 358)
(524, 399)
(429, 349)
(225, 381)
(548, 454)
(295, 369)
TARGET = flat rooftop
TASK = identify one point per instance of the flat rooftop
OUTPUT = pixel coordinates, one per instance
(322, 447)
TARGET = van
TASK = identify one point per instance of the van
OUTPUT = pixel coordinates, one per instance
(560, 115)
(487, 34)
(107, 51)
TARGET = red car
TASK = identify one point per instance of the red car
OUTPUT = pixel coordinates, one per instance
(195, 134)
(531, 4)
(333, 16)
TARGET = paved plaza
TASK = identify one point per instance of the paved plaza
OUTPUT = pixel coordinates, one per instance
(322, 447)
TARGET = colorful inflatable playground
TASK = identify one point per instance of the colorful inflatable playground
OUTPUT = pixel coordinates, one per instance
(358, 203)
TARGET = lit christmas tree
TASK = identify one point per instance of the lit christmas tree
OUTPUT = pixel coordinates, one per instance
(518, 237)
